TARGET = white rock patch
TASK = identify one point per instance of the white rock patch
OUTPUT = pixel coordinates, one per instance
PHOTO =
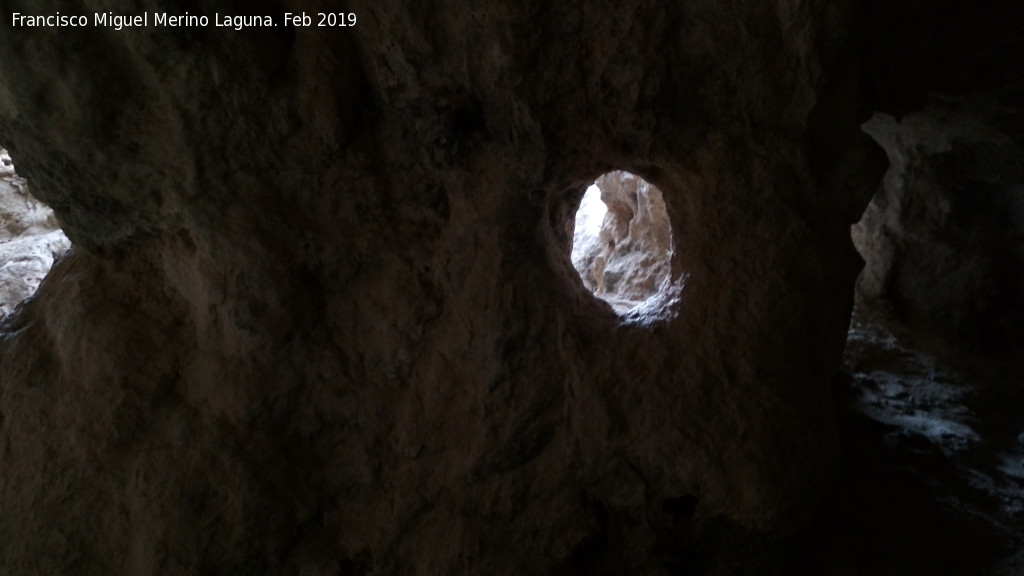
(30, 238)
(622, 243)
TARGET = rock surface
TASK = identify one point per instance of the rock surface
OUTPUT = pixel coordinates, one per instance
(630, 258)
(943, 239)
(321, 318)
(30, 238)
(932, 480)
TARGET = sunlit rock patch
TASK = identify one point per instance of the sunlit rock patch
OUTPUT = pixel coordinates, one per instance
(30, 238)
(622, 243)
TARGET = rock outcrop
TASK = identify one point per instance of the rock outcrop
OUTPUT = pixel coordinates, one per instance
(320, 315)
(943, 239)
(30, 238)
(630, 258)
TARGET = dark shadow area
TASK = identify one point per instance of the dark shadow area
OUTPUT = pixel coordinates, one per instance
(932, 472)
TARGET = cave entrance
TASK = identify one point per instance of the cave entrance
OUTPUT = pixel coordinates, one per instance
(622, 240)
(30, 238)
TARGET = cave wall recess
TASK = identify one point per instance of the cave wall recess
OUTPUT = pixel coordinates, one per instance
(943, 238)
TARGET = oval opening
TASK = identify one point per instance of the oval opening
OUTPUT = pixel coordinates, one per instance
(622, 241)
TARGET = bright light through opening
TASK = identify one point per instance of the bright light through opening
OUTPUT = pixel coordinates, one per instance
(622, 241)
(30, 238)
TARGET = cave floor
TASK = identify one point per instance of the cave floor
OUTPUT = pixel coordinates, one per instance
(932, 472)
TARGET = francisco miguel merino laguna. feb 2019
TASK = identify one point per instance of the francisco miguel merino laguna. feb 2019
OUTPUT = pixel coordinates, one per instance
(121, 21)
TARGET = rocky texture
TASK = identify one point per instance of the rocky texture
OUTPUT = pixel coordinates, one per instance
(30, 238)
(932, 477)
(321, 318)
(943, 238)
(932, 428)
(630, 258)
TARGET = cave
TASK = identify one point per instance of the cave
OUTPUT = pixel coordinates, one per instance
(318, 311)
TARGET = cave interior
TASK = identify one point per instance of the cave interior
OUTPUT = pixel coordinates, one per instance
(661, 288)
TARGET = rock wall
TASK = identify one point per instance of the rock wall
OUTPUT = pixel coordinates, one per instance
(30, 238)
(320, 316)
(943, 239)
(630, 258)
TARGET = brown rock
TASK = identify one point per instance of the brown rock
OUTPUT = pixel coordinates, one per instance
(321, 316)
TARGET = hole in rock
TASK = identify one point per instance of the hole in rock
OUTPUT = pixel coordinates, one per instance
(30, 238)
(622, 241)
